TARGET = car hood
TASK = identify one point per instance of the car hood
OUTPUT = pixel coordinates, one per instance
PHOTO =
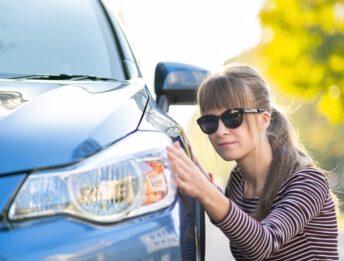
(46, 124)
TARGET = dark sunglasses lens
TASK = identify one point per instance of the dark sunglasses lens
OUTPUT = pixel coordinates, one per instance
(208, 123)
(232, 119)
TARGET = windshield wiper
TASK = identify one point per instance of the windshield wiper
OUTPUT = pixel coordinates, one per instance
(64, 77)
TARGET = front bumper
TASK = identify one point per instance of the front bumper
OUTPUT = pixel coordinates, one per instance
(168, 234)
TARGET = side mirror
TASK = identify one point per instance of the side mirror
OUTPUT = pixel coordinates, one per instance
(177, 83)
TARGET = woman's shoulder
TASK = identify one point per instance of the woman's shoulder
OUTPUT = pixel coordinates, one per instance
(307, 177)
(311, 173)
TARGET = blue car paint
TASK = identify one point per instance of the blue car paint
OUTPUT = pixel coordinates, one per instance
(151, 236)
(8, 188)
(66, 124)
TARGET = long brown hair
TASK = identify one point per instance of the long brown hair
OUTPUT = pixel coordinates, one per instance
(239, 85)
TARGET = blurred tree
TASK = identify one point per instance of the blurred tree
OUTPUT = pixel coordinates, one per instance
(303, 51)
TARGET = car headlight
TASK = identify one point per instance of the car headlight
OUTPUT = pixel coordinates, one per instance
(129, 178)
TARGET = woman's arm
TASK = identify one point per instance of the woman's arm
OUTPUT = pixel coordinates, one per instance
(303, 200)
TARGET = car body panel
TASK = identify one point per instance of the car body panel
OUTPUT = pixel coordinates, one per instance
(8, 188)
(64, 124)
(149, 237)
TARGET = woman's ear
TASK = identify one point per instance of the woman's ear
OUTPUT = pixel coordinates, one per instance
(264, 120)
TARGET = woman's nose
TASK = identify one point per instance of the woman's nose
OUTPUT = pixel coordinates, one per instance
(222, 129)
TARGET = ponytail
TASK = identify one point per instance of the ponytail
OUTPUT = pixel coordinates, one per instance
(286, 158)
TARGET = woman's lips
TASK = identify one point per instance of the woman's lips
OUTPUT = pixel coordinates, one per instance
(225, 144)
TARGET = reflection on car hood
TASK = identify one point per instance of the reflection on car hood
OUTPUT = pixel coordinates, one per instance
(46, 124)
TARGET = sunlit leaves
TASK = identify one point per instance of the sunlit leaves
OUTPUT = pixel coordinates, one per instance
(304, 52)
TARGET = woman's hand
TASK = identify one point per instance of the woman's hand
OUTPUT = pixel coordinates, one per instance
(189, 178)
(193, 182)
(194, 159)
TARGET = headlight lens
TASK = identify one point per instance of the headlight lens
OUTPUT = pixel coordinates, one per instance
(127, 179)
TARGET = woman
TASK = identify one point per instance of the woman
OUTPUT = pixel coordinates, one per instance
(277, 203)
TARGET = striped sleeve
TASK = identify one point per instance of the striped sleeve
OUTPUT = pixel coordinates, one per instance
(219, 188)
(303, 199)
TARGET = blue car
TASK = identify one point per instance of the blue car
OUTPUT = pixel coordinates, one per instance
(83, 168)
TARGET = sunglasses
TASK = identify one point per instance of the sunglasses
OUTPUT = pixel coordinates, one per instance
(231, 118)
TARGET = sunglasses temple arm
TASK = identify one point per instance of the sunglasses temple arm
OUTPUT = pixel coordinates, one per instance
(253, 110)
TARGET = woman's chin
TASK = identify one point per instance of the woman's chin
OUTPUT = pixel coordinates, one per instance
(229, 155)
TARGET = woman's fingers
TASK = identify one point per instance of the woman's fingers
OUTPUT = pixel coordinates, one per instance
(185, 166)
(179, 152)
(192, 155)
(188, 166)
(184, 186)
(179, 166)
(188, 177)
(180, 184)
(193, 159)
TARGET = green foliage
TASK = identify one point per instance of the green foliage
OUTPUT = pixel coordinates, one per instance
(303, 51)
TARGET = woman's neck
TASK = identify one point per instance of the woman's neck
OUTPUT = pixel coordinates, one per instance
(255, 167)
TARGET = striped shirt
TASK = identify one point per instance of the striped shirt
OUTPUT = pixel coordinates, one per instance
(301, 225)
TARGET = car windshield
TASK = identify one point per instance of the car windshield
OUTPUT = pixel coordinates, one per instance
(72, 37)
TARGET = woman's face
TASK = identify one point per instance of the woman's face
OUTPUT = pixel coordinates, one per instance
(232, 144)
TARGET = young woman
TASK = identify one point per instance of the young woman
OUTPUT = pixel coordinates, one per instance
(277, 203)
